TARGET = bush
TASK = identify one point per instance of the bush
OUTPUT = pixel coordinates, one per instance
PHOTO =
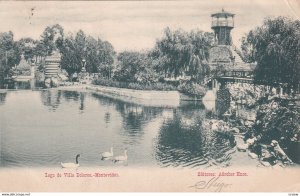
(192, 89)
(189, 88)
(135, 85)
(277, 121)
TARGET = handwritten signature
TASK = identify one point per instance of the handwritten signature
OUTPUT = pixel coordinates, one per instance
(213, 184)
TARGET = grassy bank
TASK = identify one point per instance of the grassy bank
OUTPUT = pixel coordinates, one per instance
(188, 88)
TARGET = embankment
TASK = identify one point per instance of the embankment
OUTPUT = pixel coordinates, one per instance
(143, 97)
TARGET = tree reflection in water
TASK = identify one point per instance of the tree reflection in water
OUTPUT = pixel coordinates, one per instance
(107, 117)
(182, 139)
(71, 95)
(134, 117)
(2, 98)
(184, 142)
(81, 97)
(51, 99)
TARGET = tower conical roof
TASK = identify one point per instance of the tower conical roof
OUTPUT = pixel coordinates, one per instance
(223, 13)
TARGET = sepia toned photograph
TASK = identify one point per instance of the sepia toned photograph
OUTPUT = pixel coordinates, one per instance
(150, 96)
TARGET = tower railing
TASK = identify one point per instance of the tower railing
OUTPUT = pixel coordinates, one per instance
(222, 24)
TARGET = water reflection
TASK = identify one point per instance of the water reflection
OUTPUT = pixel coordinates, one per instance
(107, 117)
(134, 117)
(182, 141)
(88, 123)
(71, 95)
(81, 97)
(2, 98)
(217, 104)
(51, 99)
(223, 101)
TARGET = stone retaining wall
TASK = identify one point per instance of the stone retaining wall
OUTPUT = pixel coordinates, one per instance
(138, 94)
(143, 97)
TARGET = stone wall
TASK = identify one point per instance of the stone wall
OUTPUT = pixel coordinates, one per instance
(139, 94)
(143, 97)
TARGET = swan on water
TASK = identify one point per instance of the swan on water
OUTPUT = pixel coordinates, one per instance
(108, 154)
(71, 165)
(121, 157)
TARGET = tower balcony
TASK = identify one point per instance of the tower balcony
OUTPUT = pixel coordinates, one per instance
(222, 24)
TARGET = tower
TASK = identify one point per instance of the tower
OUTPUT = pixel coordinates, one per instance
(52, 64)
(52, 69)
(222, 24)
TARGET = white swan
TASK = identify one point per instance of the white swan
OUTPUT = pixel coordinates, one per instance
(121, 157)
(71, 165)
(108, 154)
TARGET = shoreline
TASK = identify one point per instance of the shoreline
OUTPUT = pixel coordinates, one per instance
(168, 99)
(142, 97)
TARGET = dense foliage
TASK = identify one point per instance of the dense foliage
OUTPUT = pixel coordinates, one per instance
(96, 55)
(9, 54)
(179, 52)
(275, 46)
(135, 67)
(135, 85)
(188, 88)
(192, 89)
(278, 120)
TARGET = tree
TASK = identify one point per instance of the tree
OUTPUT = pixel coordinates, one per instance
(9, 53)
(27, 47)
(128, 66)
(136, 67)
(247, 48)
(97, 54)
(70, 60)
(275, 46)
(182, 52)
(51, 39)
(106, 55)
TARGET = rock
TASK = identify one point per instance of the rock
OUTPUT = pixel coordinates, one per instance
(242, 147)
(214, 126)
(235, 130)
(248, 123)
(250, 141)
(265, 163)
(252, 155)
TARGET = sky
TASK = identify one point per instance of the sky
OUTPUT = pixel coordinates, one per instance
(135, 25)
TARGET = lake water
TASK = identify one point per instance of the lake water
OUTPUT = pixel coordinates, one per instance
(44, 128)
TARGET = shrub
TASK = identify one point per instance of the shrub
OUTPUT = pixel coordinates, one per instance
(137, 86)
(277, 121)
(134, 85)
(192, 89)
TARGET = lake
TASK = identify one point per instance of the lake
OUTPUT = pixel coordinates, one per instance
(44, 128)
